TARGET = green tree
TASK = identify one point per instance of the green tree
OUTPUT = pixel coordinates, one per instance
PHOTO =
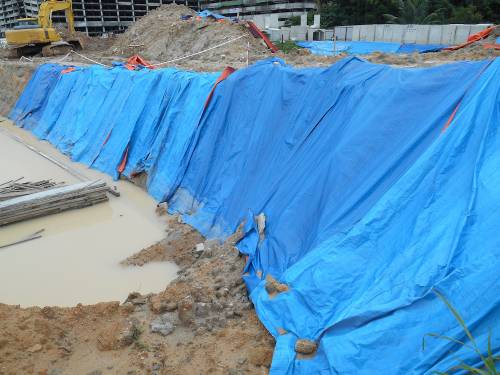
(414, 12)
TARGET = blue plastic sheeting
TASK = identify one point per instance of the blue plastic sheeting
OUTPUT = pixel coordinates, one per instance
(366, 294)
(315, 150)
(96, 115)
(207, 13)
(498, 40)
(33, 100)
(274, 135)
(369, 205)
(326, 48)
(420, 48)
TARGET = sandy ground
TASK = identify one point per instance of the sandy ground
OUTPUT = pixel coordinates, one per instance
(202, 322)
(82, 247)
(206, 327)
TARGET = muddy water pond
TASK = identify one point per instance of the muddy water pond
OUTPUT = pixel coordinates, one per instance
(78, 258)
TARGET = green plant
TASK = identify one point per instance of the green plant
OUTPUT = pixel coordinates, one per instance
(287, 46)
(488, 362)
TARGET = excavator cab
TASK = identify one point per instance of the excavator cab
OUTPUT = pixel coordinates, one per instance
(26, 23)
(34, 35)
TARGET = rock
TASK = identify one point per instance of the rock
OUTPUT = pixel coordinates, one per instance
(161, 208)
(163, 325)
(200, 247)
(222, 292)
(303, 346)
(132, 296)
(242, 361)
(201, 309)
(156, 367)
(185, 311)
(48, 312)
(55, 371)
(128, 335)
(35, 348)
(128, 307)
(171, 306)
(118, 335)
(139, 301)
(95, 372)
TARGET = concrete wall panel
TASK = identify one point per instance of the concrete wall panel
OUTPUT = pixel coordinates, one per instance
(348, 33)
(379, 33)
(448, 34)
(422, 34)
(341, 32)
(410, 34)
(367, 33)
(356, 31)
(397, 33)
(435, 33)
(461, 34)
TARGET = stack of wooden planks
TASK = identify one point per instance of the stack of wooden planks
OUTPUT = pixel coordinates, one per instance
(52, 201)
(16, 188)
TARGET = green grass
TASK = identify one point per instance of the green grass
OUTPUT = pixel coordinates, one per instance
(488, 361)
(287, 46)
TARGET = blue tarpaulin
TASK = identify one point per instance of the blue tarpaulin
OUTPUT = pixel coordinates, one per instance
(326, 48)
(378, 186)
(207, 13)
(96, 115)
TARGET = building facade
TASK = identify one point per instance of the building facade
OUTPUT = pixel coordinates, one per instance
(10, 11)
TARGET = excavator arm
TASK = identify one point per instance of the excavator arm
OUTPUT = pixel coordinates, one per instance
(49, 6)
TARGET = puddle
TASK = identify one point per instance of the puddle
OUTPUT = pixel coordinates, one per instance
(77, 259)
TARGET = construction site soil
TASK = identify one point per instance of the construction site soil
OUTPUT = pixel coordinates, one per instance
(203, 322)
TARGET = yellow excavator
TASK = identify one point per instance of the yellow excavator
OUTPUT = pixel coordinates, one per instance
(31, 36)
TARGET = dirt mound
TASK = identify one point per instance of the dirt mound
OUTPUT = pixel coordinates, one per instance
(13, 77)
(162, 36)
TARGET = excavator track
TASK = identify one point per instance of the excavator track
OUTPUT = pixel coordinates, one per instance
(55, 49)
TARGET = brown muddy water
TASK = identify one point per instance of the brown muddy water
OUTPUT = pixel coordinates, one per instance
(77, 259)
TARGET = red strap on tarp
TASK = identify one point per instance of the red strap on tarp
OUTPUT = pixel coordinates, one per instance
(123, 163)
(225, 73)
(135, 60)
(256, 32)
(472, 38)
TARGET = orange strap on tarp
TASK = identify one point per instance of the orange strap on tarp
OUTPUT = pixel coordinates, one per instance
(254, 29)
(225, 73)
(452, 116)
(135, 60)
(492, 46)
(68, 70)
(472, 38)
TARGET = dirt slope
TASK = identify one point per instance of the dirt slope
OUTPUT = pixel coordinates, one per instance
(162, 36)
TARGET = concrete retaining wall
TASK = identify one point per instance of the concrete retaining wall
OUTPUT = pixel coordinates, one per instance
(422, 34)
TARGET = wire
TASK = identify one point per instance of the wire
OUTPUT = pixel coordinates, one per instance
(199, 53)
